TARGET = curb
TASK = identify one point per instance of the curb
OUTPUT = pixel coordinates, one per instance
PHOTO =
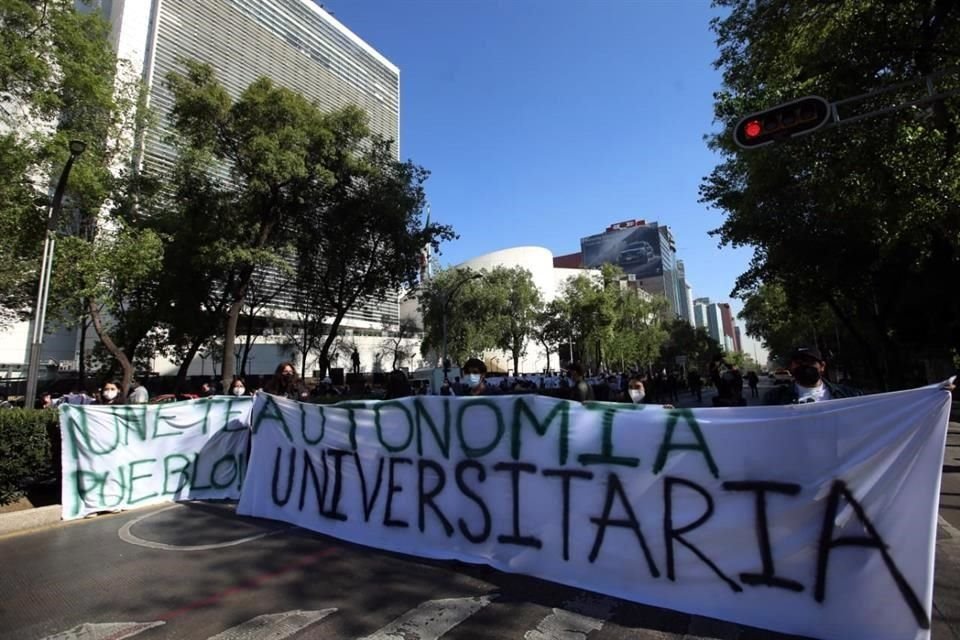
(16, 521)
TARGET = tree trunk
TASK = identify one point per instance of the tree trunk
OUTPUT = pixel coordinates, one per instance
(304, 352)
(236, 306)
(82, 365)
(247, 345)
(324, 356)
(111, 346)
(229, 340)
(180, 383)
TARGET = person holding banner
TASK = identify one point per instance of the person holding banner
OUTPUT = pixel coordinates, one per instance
(285, 383)
(475, 379)
(110, 393)
(807, 367)
(238, 388)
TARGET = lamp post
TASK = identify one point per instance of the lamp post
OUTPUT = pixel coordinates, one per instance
(46, 267)
(443, 315)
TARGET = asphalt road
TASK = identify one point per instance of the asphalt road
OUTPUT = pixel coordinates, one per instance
(198, 571)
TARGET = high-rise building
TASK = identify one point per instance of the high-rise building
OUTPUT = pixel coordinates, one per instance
(731, 332)
(700, 312)
(645, 250)
(683, 300)
(295, 43)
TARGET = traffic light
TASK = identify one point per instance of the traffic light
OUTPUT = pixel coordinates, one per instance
(784, 121)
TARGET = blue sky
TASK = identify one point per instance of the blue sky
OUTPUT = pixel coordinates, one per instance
(545, 121)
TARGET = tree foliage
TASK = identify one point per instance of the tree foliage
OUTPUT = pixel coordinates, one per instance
(863, 218)
(60, 81)
(306, 183)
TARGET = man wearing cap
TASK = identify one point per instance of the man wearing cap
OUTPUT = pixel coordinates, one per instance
(807, 367)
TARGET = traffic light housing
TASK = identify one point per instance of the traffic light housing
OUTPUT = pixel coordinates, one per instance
(784, 121)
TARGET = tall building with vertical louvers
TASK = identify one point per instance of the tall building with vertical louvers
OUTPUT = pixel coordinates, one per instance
(296, 43)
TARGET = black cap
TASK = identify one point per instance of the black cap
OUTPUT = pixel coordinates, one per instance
(576, 367)
(801, 353)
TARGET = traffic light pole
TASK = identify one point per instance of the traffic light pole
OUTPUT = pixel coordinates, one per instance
(928, 83)
(812, 113)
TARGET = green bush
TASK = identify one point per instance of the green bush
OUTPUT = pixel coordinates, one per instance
(29, 442)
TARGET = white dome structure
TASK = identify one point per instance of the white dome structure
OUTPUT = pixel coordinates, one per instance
(548, 279)
(537, 260)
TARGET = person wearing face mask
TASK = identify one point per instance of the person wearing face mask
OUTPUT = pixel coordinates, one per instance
(635, 390)
(808, 368)
(286, 383)
(238, 388)
(110, 393)
(475, 378)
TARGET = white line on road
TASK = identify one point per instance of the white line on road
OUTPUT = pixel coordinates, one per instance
(274, 626)
(581, 616)
(104, 630)
(127, 536)
(431, 619)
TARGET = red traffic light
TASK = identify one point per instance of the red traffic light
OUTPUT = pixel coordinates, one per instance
(784, 121)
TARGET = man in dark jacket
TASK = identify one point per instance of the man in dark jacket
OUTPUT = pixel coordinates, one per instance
(807, 367)
(580, 390)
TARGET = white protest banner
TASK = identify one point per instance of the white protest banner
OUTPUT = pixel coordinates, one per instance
(118, 456)
(815, 519)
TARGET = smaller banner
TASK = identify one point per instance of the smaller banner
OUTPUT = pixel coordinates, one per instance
(120, 456)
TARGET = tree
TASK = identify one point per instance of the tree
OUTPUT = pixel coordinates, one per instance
(364, 236)
(551, 328)
(309, 184)
(469, 315)
(516, 301)
(277, 146)
(694, 343)
(61, 81)
(861, 242)
(397, 343)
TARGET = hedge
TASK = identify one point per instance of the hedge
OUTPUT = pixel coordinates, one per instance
(29, 448)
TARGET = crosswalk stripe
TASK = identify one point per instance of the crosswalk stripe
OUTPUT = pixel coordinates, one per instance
(104, 630)
(431, 619)
(575, 621)
(273, 626)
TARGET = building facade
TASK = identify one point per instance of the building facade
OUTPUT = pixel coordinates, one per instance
(295, 43)
(645, 250)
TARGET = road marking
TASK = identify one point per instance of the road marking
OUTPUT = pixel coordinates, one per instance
(431, 619)
(104, 630)
(274, 626)
(126, 534)
(580, 617)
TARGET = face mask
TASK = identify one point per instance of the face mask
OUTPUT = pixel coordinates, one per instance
(635, 395)
(807, 375)
(287, 374)
(239, 391)
(473, 380)
(109, 394)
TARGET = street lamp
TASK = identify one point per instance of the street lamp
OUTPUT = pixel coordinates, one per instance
(443, 315)
(46, 267)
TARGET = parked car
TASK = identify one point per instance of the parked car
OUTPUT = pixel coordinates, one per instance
(782, 376)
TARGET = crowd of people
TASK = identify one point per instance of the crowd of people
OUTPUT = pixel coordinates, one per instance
(806, 365)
